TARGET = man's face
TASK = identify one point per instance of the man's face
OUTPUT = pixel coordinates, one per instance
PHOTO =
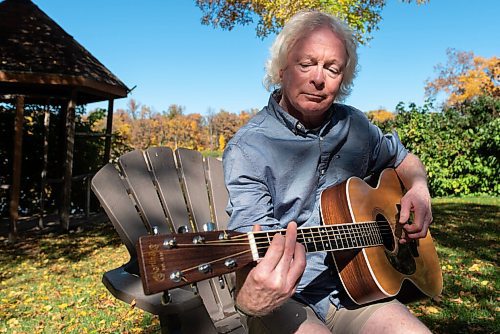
(312, 76)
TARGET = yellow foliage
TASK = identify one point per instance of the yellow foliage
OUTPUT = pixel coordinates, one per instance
(222, 142)
(380, 115)
(362, 16)
(465, 77)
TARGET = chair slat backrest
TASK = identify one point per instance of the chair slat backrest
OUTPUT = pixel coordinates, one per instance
(219, 199)
(169, 189)
(190, 165)
(218, 191)
(112, 193)
(136, 172)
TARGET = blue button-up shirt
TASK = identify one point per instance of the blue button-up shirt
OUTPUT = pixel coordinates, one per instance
(275, 170)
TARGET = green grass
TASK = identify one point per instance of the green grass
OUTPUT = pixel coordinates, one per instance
(51, 283)
(466, 233)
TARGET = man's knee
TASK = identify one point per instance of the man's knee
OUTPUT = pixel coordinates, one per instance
(312, 327)
(394, 318)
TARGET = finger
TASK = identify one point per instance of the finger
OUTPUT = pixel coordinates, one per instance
(297, 266)
(415, 232)
(421, 218)
(290, 241)
(289, 248)
(273, 254)
(404, 213)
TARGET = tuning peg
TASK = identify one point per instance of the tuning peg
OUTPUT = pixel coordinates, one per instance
(155, 230)
(205, 268)
(198, 240)
(208, 227)
(176, 276)
(169, 243)
(222, 283)
(183, 229)
(230, 263)
(166, 298)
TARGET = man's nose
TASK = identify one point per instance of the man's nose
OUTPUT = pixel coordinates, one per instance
(318, 77)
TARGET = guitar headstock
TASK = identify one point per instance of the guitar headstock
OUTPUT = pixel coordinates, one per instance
(168, 261)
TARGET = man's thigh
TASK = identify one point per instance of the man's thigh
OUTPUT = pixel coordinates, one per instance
(352, 320)
(286, 319)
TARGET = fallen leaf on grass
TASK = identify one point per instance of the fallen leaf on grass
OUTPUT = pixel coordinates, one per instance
(430, 309)
(457, 300)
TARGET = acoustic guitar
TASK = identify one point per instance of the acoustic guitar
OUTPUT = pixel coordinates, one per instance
(360, 229)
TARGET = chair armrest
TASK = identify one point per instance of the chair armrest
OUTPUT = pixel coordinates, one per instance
(128, 287)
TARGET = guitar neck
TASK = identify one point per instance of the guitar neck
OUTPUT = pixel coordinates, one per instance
(325, 238)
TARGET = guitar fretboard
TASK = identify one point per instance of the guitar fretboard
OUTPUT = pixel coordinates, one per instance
(330, 237)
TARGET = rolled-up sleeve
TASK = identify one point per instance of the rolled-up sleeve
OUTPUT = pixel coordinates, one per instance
(250, 201)
(387, 150)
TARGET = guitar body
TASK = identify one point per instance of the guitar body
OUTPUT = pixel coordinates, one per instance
(375, 273)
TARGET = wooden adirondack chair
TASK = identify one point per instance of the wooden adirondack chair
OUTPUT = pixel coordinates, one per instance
(159, 191)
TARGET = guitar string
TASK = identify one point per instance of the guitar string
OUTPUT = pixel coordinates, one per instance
(353, 233)
(331, 237)
(217, 260)
(260, 244)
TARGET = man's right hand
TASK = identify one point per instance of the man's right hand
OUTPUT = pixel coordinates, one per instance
(274, 279)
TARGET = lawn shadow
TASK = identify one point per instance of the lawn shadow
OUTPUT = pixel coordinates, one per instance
(471, 228)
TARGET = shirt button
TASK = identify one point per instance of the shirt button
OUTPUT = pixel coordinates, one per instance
(322, 172)
(320, 138)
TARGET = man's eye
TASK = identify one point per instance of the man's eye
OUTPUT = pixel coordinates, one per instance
(333, 70)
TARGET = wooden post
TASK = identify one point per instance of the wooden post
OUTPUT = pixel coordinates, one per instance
(16, 167)
(46, 127)
(109, 131)
(68, 161)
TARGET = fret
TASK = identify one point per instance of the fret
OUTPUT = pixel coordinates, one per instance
(333, 237)
(343, 239)
(337, 236)
(325, 242)
(307, 240)
(373, 234)
(356, 235)
(366, 235)
(314, 232)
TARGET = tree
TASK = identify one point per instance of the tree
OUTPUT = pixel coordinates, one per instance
(174, 110)
(132, 108)
(465, 77)
(380, 115)
(362, 16)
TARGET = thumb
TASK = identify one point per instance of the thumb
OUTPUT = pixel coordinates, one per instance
(404, 213)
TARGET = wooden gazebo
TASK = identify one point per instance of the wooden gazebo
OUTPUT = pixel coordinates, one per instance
(41, 63)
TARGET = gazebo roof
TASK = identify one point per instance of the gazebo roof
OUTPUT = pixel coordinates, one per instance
(39, 59)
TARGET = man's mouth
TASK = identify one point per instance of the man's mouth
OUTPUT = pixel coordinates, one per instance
(315, 97)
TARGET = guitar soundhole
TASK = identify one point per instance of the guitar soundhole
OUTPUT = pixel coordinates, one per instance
(401, 257)
(386, 232)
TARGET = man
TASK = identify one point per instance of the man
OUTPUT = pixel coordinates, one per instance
(276, 167)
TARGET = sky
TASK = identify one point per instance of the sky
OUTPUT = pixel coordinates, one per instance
(161, 48)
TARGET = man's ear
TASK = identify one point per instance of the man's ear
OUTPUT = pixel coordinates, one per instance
(281, 74)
